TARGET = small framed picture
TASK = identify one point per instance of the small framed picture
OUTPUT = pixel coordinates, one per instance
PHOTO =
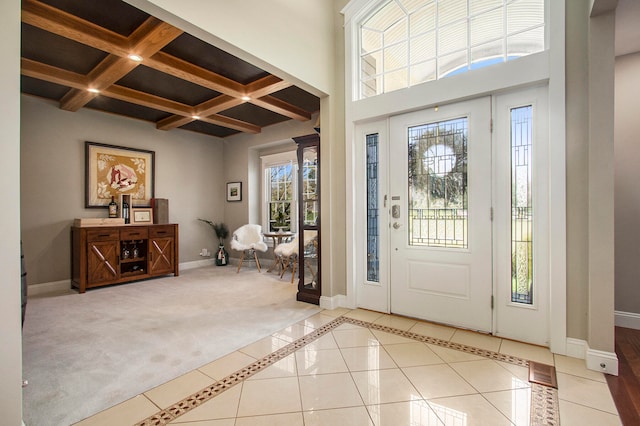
(234, 191)
(142, 215)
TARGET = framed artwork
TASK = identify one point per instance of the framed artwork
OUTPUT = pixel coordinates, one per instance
(234, 191)
(112, 171)
(142, 215)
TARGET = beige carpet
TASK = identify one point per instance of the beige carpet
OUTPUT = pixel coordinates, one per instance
(83, 353)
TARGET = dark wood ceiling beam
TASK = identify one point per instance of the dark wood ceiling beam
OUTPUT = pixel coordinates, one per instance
(147, 100)
(108, 71)
(215, 105)
(265, 86)
(231, 123)
(173, 122)
(63, 24)
(183, 113)
(282, 108)
(146, 41)
(187, 71)
(58, 22)
(150, 37)
(78, 81)
(51, 74)
(75, 99)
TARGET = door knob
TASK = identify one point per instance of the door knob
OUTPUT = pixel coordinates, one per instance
(396, 225)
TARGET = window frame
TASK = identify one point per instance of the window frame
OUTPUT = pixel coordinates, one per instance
(380, 78)
(267, 162)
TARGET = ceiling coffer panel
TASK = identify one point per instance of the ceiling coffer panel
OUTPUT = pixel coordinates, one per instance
(103, 103)
(70, 46)
(209, 57)
(113, 15)
(60, 52)
(157, 83)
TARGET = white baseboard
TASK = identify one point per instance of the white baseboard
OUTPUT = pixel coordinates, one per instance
(627, 319)
(337, 301)
(196, 264)
(46, 288)
(576, 348)
(604, 362)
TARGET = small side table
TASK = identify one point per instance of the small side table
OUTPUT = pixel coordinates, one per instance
(277, 238)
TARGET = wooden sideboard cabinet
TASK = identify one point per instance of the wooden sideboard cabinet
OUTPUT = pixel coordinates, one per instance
(104, 255)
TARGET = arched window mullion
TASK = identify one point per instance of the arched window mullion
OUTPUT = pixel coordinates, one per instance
(386, 69)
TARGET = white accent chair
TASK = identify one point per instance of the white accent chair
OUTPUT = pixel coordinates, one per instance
(287, 256)
(247, 239)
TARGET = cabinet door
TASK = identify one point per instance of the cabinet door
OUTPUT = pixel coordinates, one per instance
(102, 261)
(309, 284)
(161, 255)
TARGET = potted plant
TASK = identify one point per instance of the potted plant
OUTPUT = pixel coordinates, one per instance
(222, 232)
(281, 218)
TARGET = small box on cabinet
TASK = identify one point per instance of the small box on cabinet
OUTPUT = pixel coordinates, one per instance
(160, 208)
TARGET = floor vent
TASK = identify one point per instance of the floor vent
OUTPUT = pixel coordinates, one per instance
(543, 374)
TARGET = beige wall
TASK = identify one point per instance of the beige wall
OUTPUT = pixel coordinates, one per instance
(188, 172)
(290, 38)
(300, 41)
(627, 176)
(577, 112)
(242, 164)
(601, 186)
(590, 214)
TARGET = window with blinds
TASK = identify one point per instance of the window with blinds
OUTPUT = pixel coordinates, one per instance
(407, 42)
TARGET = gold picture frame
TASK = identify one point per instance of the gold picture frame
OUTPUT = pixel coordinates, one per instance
(142, 215)
(111, 171)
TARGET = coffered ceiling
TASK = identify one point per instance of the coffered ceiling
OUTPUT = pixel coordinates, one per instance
(77, 53)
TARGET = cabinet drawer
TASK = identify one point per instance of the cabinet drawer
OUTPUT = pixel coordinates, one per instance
(106, 234)
(161, 231)
(134, 233)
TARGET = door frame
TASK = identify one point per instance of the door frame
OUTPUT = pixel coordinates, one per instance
(556, 255)
(546, 66)
(372, 295)
(513, 320)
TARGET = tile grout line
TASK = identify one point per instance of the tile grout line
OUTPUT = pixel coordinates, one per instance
(194, 400)
(544, 400)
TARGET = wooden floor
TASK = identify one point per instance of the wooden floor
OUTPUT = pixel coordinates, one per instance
(625, 388)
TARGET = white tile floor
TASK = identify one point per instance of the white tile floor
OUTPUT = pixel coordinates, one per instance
(356, 375)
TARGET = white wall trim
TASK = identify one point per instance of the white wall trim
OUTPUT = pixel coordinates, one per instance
(196, 264)
(46, 288)
(604, 362)
(627, 319)
(557, 179)
(576, 348)
(333, 302)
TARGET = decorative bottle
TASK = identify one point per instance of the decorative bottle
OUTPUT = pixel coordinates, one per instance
(125, 211)
(113, 208)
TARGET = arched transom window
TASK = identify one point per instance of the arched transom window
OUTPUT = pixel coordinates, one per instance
(407, 42)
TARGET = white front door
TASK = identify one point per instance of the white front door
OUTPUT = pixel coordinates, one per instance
(440, 231)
